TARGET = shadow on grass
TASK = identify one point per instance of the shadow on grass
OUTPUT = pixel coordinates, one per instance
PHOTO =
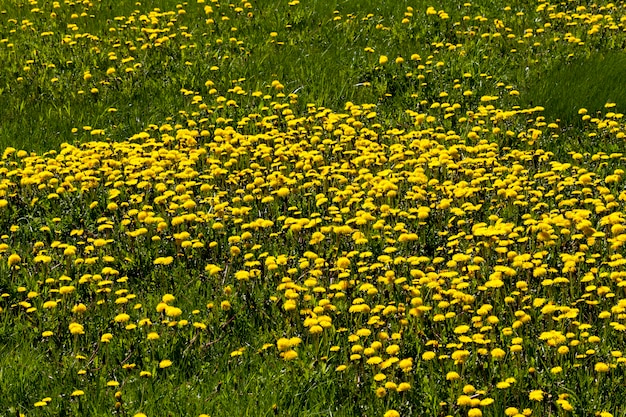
(588, 83)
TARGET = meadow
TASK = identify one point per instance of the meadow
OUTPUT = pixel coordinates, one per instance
(306, 208)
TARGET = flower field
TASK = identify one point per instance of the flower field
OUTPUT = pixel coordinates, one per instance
(312, 208)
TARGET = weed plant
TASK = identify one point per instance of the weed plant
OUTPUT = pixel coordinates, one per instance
(350, 208)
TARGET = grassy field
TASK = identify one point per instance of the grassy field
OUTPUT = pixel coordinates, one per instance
(305, 208)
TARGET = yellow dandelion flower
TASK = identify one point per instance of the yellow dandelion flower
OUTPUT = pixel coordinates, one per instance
(290, 355)
(76, 328)
(79, 308)
(375, 360)
(282, 192)
(464, 400)
(536, 395)
(403, 386)
(474, 412)
(316, 329)
(14, 259)
(498, 353)
(565, 405)
(601, 367)
(343, 262)
(66, 289)
(283, 344)
(406, 364)
(452, 376)
(363, 332)
(121, 318)
(171, 311)
(461, 329)
(392, 350)
(290, 305)
(469, 389)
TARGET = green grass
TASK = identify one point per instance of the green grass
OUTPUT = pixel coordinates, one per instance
(443, 154)
(320, 58)
(587, 82)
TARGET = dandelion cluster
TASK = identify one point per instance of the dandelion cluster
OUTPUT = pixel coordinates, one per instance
(445, 263)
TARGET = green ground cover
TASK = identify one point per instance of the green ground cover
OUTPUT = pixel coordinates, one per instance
(347, 208)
